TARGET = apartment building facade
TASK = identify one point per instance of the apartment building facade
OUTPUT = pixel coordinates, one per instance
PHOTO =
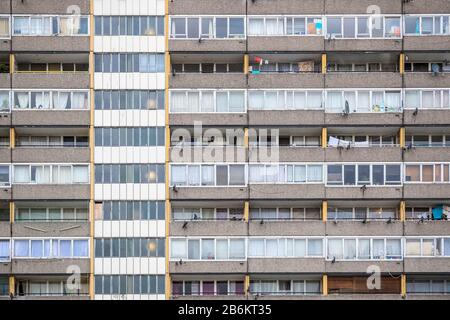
(337, 113)
(240, 149)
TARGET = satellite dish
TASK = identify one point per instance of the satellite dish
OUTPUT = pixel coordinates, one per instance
(435, 69)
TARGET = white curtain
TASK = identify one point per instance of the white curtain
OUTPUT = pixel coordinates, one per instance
(80, 174)
(4, 249)
(222, 249)
(314, 100)
(66, 26)
(299, 248)
(65, 174)
(257, 173)
(4, 27)
(393, 101)
(4, 100)
(314, 173)
(193, 101)
(61, 100)
(178, 175)
(256, 27)
(36, 27)
(271, 27)
(42, 100)
(334, 101)
(315, 247)
(271, 100)
(237, 249)
(207, 101)
(349, 249)
(299, 173)
(193, 175)
(428, 99)
(299, 100)
(207, 175)
(79, 100)
(364, 249)
(363, 101)
(222, 102)
(178, 101)
(21, 174)
(393, 248)
(378, 248)
(43, 174)
(256, 248)
(335, 249)
(21, 25)
(256, 100)
(237, 101)
(23, 100)
(378, 104)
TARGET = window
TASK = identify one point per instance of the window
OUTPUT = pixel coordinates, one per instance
(346, 174)
(4, 250)
(207, 101)
(50, 25)
(416, 25)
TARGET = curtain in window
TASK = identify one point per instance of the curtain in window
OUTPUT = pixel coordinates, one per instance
(378, 102)
(392, 101)
(79, 100)
(21, 248)
(272, 27)
(349, 249)
(299, 173)
(364, 249)
(178, 102)
(207, 28)
(65, 26)
(314, 100)
(61, 100)
(335, 249)
(412, 99)
(237, 101)
(22, 100)
(4, 27)
(315, 247)
(193, 175)
(256, 247)
(207, 175)
(270, 101)
(4, 250)
(178, 175)
(299, 247)
(193, 101)
(4, 100)
(42, 100)
(36, 27)
(43, 174)
(314, 173)
(207, 102)
(222, 101)
(21, 174)
(428, 99)
(21, 26)
(222, 249)
(80, 174)
(256, 100)
(299, 100)
(80, 248)
(393, 248)
(65, 174)
(178, 248)
(256, 27)
(65, 248)
(334, 102)
(378, 248)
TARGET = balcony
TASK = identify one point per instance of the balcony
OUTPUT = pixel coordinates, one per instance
(285, 80)
(426, 191)
(54, 229)
(427, 264)
(48, 266)
(376, 192)
(287, 191)
(208, 80)
(48, 6)
(363, 45)
(51, 117)
(286, 228)
(188, 119)
(368, 228)
(418, 228)
(49, 154)
(427, 7)
(363, 80)
(285, 7)
(52, 192)
(208, 228)
(288, 117)
(211, 45)
(364, 154)
(424, 154)
(194, 7)
(291, 154)
(5, 80)
(426, 117)
(426, 80)
(55, 43)
(208, 266)
(423, 43)
(37, 80)
(290, 265)
(360, 7)
(372, 118)
(209, 193)
(344, 267)
(285, 43)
